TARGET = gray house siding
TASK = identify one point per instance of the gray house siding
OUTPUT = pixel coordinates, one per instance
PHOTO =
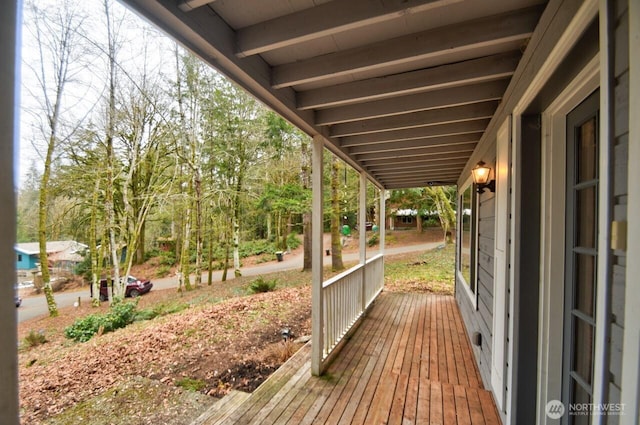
(619, 145)
(481, 319)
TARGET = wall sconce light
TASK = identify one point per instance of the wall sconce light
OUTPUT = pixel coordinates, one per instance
(481, 178)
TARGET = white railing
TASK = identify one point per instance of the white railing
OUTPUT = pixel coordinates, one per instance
(346, 296)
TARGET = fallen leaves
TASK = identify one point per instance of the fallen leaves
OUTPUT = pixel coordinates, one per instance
(233, 336)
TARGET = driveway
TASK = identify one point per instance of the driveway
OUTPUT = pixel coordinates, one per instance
(37, 306)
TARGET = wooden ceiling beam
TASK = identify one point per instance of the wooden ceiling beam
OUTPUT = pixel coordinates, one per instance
(440, 164)
(415, 143)
(416, 160)
(446, 149)
(419, 177)
(443, 98)
(323, 20)
(399, 173)
(462, 37)
(471, 112)
(440, 130)
(487, 68)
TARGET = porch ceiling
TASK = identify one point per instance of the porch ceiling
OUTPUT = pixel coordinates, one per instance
(401, 89)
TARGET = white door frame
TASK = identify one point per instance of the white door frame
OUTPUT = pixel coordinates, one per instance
(547, 379)
(552, 276)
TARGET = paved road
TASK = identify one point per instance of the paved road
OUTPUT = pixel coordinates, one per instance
(36, 306)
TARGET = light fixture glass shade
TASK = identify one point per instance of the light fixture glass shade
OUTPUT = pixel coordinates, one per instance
(481, 173)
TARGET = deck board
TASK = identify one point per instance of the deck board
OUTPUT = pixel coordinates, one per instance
(409, 362)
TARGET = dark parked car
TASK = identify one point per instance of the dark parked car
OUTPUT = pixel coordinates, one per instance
(135, 287)
(18, 300)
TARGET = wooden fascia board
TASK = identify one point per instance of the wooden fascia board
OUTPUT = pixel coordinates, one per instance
(417, 119)
(438, 130)
(323, 20)
(451, 75)
(466, 36)
(443, 98)
(415, 143)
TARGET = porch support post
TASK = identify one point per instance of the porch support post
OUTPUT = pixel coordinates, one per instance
(8, 356)
(362, 233)
(382, 226)
(317, 302)
(631, 351)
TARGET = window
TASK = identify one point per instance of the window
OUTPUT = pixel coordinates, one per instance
(407, 219)
(466, 237)
(19, 257)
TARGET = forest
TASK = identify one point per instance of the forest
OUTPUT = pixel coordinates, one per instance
(137, 143)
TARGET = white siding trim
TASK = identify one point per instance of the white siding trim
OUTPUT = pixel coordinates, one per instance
(601, 372)
(550, 331)
(501, 271)
(631, 348)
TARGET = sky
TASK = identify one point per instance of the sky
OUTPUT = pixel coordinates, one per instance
(82, 98)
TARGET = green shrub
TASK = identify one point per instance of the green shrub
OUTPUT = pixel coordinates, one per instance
(167, 258)
(120, 315)
(293, 241)
(33, 339)
(262, 285)
(373, 240)
(161, 309)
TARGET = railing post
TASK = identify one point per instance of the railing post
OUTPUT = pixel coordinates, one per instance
(317, 302)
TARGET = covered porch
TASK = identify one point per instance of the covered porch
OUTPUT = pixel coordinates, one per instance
(409, 361)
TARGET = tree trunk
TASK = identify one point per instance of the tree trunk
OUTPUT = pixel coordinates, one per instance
(419, 222)
(184, 267)
(93, 250)
(236, 224)
(336, 242)
(42, 229)
(198, 226)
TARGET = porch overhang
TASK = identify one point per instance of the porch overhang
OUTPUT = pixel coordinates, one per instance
(403, 91)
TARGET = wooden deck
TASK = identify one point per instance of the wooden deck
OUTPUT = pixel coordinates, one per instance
(409, 362)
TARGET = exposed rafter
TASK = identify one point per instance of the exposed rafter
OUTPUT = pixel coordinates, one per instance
(444, 98)
(474, 111)
(467, 72)
(440, 130)
(467, 36)
(417, 159)
(325, 19)
(430, 150)
(433, 165)
(415, 143)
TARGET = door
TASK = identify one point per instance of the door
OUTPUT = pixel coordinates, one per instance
(581, 256)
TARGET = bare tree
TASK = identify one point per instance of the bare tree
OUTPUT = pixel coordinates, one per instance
(57, 34)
